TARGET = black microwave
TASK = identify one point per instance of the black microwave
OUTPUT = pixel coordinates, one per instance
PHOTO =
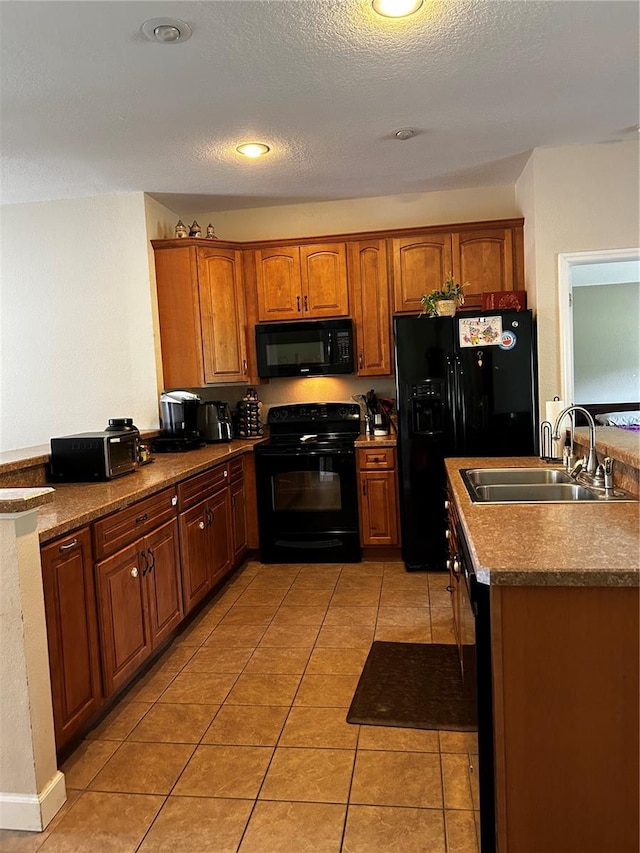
(93, 456)
(308, 348)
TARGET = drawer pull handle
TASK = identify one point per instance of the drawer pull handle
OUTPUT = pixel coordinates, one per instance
(360, 361)
(450, 588)
(306, 303)
(153, 559)
(245, 366)
(298, 302)
(134, 572)
(69, 545)
(143, 556)
(142, 518)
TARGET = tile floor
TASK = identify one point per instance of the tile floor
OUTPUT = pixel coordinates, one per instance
(236, 739)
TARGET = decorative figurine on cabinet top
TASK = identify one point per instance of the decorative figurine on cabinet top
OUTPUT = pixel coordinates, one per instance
(195, 231)
(181, 229)
(211, 234)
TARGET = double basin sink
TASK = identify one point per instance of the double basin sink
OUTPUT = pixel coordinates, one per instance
(531, 485)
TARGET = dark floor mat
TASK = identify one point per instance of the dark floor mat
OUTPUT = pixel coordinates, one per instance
(415, 686)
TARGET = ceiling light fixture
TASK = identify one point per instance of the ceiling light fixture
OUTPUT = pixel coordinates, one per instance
(253, 149)
(406, 133)
(166, 30)
(396, 8)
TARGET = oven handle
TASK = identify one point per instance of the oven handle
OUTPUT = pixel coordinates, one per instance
(271, 453)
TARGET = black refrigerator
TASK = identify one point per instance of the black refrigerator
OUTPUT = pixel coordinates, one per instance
(465, 386)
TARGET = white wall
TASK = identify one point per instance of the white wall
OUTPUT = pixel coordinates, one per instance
(77, 337)
(362, 214)
(574, 199)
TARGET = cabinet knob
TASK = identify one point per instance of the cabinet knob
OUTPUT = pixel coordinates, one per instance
(225, 473)
(456, 568)
(447, 533)
(446, 504)
(134, 572)
(174, 500)
(201, 525)
(360, 361)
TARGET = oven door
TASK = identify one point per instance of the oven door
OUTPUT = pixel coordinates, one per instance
(307, 504)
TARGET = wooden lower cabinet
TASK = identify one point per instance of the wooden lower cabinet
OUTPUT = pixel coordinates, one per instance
(139, 603)
(378, 497)
(205, 546)
(72, 633)
(238, 519)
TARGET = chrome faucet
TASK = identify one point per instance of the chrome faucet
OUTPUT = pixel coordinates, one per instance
(592, 460)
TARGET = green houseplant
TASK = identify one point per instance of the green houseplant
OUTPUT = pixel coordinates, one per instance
(451, 294)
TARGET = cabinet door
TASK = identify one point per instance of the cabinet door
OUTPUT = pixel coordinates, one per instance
(220, 533)
(72, 634)
(222, 311)
(378, 508)
(194, 554)
(122, 614)
(369, 285)
(278, 282)
(484, 259)
(420, 264)
(162, 572)
(324, 280)
(238, 520)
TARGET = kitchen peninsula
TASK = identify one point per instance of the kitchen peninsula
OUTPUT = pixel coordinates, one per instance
(564, 617)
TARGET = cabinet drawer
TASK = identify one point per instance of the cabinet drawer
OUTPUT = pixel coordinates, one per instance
(202, 486)
(236, 469)
(117, 530)
(371, 459)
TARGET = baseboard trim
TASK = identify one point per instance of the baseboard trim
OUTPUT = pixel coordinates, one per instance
(33, 812)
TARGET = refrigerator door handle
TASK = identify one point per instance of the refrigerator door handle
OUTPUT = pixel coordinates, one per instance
(461, 398)
(451, 398)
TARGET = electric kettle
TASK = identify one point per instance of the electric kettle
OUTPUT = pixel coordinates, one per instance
(215, 421)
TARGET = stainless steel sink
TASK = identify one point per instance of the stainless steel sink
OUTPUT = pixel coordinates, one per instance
(534, 493)
(521, 476)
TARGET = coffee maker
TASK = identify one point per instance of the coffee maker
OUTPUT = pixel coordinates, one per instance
(215, 421)
(179, 419)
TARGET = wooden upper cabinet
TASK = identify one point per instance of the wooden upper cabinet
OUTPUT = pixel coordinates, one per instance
(420, 264)
(201, 311)
(369, 294)
(485, 259)
(302, 282)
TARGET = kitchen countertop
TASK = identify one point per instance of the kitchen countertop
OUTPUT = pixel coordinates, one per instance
(573, 544)
(77, 504)
(377, 440)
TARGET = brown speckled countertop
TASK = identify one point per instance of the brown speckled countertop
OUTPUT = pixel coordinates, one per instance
(377, 440)
(573, 544)
(77, 504)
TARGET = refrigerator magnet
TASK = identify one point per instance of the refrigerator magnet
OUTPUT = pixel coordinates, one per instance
(480, 331)
(508, 341)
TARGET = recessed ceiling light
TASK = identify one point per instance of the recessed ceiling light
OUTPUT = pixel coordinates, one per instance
(166, 30)
(405, 133)
(253, 149)
(396, 8)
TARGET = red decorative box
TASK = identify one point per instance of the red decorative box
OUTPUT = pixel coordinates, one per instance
(504, 300)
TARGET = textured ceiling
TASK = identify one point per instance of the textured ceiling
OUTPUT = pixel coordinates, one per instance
(90, 107)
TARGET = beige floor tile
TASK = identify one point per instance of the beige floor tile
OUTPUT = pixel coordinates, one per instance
(331, 661)
(404, 617)
(440, 634)
(219, 659)
(458, 741)
(365, 569)
(262, 689)
(86, 761)
(198, 825)
(247, 725)
(119, 722)
(179, 723)
(345, 616)
(455, 777)
(255, 614)
(290, 636)
(354, 597)
(461, 832)
(319, 574)
(345, 637)
(150, 687)
(387, 738)
(225, 636)
(304, 614)
(310, 775)
(19, 841)
(392, 597)
(294, 828)
(397, 779)
(319, 727)
(194, 636)
(278, 661)
(108, 823)
(398, 634)
(199, 688)
(143, 768)
(253, 596)
(308, 596)
(474, 781)
(334, 691)
(393, 830)
(173, 659)
(224, 771)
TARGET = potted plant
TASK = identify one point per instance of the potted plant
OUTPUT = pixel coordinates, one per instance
(444, 301)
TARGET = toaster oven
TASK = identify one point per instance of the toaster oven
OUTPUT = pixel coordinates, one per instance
(93, 456)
